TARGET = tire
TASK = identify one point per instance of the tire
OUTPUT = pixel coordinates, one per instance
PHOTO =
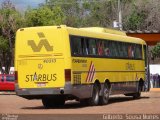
(137, 95)
(84, 102)
(47, 102)
(53, 102)
(94, 100)
(105, 95)
(59, 102)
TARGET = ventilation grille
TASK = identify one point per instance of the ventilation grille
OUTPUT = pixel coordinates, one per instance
(76, 78)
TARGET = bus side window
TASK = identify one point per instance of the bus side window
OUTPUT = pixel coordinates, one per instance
(120, 50)
(110, 48)
(100, 46)
(106, 48)
(130, 51)
(83, 46)
(76, 45)
(92, 46)
(138, 52)
(125, 50)
(114, 49)
(86, 46)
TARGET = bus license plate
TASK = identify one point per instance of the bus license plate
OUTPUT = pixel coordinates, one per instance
(41, 84)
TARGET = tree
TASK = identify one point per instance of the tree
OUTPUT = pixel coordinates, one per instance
(135, 20)
(4, 49)
(43, 16)
(71, 10)
(101, 13)
(134, 15)
(156, 50)
(10, 21)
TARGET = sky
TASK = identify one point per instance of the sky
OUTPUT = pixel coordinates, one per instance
(22, 5)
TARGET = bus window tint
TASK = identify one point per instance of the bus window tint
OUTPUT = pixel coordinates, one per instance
(106, 48)
(114, 49)
(130, 51)
(138, 52)
(76, 46)
(100, 46)
(124, 47)
(84, 47)
(120, 50)
(92, 47)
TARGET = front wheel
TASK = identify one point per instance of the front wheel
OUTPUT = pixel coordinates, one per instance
(94, 100)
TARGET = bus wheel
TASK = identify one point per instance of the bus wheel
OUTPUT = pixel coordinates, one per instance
(94, 100)
(60, 101)
(84, 102)
(137, 95)
(105, 95)
(47, 102)
(51, 102)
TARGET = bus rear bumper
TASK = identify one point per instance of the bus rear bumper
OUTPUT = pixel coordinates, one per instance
(42, 91)
(79, 91)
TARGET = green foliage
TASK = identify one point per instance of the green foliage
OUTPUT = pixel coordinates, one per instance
(44, 16)
(10, 20)
(4, 46)
(99, 13)
(135, 20)
(156, 50)
(71, 10)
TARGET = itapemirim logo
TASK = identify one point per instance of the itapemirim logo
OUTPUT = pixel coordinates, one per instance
(43, 42)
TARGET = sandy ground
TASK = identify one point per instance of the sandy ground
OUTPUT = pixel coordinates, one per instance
(148, 104)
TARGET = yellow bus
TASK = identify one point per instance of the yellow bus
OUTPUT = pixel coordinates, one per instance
(59, 63)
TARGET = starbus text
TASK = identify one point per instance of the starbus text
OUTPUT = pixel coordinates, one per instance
(41, 77)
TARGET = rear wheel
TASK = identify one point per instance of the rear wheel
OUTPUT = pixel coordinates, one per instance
(53, 102)
(59, 102)
(47, 103)
(94, 100)
(105, 95)
(84, 102)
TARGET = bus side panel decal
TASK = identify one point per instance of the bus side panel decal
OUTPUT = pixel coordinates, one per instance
(91, 73)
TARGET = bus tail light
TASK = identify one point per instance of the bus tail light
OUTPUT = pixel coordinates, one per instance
(16, 76)
(67, 74)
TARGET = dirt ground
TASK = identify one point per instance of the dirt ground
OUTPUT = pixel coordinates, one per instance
(148, 104)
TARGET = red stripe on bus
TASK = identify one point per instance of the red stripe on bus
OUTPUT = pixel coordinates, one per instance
(88, 75)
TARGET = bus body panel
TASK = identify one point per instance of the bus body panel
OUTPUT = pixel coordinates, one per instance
(40, 57)
(120, 71)
(42, 73)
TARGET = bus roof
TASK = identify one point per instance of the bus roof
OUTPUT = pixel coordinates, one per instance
(104, 30)
(96, 32)
(103, 33)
